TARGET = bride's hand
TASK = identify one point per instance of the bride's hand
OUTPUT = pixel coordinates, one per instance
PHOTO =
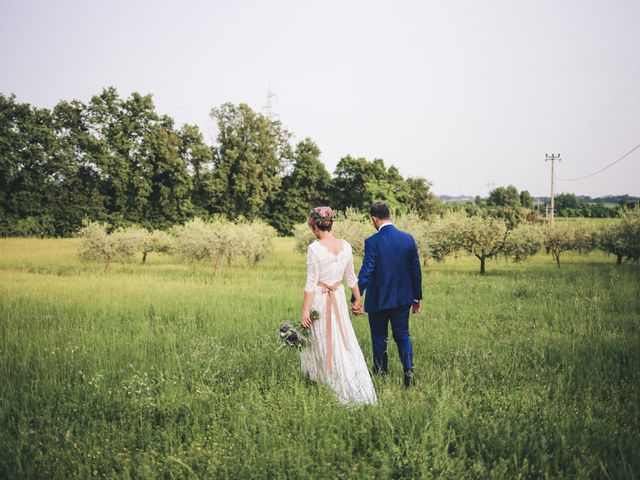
(305, 320)
(356, 308)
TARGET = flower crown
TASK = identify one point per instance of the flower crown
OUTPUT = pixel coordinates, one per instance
(321, 216)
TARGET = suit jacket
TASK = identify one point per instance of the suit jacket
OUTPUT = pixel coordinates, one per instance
(390, 270)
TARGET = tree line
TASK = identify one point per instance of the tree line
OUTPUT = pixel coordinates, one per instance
(117, 160)
(565, 204)
(197, 240)
(489, 235)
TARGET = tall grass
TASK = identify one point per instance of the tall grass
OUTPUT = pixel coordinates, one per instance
(163, 370)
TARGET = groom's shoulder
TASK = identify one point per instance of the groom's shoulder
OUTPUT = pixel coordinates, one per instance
(404, 234)
(372, 238)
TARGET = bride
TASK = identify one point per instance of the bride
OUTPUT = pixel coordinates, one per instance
(333, 356)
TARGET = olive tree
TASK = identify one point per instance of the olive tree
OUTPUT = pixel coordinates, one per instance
(198, 240)
(622, 237)
(445, 236)
(141, 240)
(484, 237)
(303, 236)
(218, 239)
(419, 228)
(558, 238)
(523, 242)
(97, 244)
(586, 237)
(254, 241)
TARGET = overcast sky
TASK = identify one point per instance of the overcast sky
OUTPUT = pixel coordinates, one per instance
(462, 93)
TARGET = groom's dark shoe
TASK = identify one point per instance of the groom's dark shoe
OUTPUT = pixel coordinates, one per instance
(408, 378)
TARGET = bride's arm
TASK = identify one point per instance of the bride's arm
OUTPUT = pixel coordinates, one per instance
(352, 282)
(309, 287)
(306, 308)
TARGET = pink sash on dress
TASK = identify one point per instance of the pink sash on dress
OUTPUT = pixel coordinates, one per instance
(331, 304)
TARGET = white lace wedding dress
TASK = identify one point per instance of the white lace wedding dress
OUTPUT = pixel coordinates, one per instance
(334, 356)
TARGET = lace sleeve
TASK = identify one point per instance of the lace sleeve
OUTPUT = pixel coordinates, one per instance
(352, 280)
(313, 271)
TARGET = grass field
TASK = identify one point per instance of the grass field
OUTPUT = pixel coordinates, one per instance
(163, 371)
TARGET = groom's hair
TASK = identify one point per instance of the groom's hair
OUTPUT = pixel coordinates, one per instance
(380, 210)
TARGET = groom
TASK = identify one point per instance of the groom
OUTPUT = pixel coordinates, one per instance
(391, 275)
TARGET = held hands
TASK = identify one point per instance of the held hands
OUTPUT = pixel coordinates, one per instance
(416, 307)
(356, 308)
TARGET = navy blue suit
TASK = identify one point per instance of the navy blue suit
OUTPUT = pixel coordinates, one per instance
(392, 278)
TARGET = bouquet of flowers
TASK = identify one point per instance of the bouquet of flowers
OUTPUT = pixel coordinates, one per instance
(295, 335)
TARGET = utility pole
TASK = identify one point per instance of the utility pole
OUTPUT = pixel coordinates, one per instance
(552, 158)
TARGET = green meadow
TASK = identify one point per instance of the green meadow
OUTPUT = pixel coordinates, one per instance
(163, 371)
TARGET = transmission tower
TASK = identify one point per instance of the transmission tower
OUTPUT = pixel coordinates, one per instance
(490, 185)
(267, 110)
(552, 158)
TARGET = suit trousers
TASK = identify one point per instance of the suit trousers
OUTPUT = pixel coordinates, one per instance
(379, 323)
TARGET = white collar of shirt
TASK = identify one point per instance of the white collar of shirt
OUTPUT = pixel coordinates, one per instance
(384, 225)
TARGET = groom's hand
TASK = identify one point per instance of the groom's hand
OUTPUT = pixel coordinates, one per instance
(356, 308)
(416, 307)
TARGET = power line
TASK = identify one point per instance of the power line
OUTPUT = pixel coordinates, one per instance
(603, 168)
(612, 105)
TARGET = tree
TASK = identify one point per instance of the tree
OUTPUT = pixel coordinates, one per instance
(350, 181)
(358, 183)
(526, 200)
(354, 227)
(512, 216)
(558, 238)
(586, 237)
(504, 197)
(218, 239)
(29, 179)
(420, 199)
(564, 202)
(81, 194)
(169, 198)
(145, 241)
(411, 222)
(305, 187)
(97, 244)
(445, 237)
(484, 238)
(523, 242)
(198, 158)
(622, 237)
(251, 156)
(119, 128)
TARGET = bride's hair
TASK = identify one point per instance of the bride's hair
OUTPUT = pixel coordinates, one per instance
(321, 217)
